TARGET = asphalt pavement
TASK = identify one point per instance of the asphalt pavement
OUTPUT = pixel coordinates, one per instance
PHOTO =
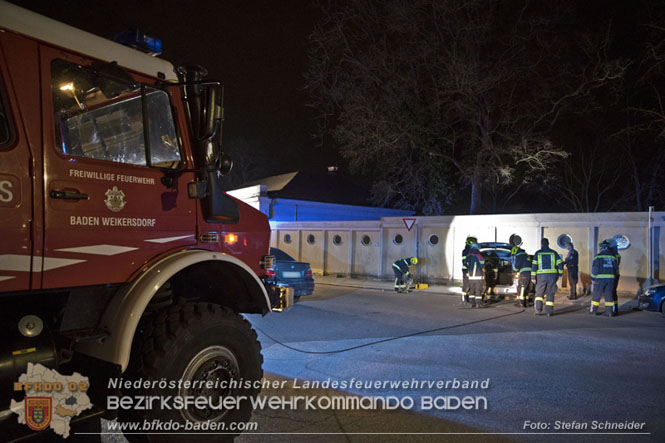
(571, 377)
(356, 362)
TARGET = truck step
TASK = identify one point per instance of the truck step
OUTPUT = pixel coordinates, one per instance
(85, 335)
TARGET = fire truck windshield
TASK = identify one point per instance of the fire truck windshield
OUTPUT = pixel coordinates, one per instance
(92, 125)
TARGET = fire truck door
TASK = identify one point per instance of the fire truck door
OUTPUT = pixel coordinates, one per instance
(107, 212)
(19, 128)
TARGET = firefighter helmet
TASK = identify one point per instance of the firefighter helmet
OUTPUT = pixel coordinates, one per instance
(414, 260)
(605, 244)
(471, 240)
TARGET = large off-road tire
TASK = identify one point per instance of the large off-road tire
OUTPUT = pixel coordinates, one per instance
(195, 341)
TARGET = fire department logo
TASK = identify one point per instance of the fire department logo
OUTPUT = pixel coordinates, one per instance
(54, 399)
(115, 199)
(38, 412)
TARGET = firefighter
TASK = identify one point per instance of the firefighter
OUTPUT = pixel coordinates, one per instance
(522, 265)
(572, 262)
(465, 277)
(615, 297)
(604, 272)
(475, 264)
(401, 270)
(491, 274)
(547, 267)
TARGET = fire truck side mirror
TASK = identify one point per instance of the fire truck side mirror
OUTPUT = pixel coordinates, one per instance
(212, 113)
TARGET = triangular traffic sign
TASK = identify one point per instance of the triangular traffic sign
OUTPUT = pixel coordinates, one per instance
(409, 222)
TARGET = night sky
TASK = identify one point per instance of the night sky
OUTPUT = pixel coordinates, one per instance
(256, 48)
(259, 50)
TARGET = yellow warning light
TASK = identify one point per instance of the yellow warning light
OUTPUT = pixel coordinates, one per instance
(230, 239)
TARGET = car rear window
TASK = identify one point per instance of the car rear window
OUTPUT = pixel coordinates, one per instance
(501, 253)
(280, 255)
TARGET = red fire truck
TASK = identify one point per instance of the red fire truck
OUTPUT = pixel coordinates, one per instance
(120, 256)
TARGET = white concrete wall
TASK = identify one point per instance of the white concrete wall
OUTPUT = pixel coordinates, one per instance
(435, 258)
(312, 249)
(441, 262)
(366, 252)
(338, 249)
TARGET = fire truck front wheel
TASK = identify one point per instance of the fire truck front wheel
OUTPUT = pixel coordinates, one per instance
(203, 365)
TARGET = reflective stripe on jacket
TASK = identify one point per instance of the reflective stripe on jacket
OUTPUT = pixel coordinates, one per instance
(475, 263)
(547, 261)
(465, 251)
(604, 266)
(402, 265)
(521, 262)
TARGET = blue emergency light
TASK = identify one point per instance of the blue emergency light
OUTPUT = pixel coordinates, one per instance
(139, 40)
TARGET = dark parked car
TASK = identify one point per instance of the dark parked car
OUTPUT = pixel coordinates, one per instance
(292, 273)
(653, 299)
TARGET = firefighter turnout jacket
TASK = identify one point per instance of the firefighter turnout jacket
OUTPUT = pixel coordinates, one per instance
(546, 261)
(521, 263)
(402, 265)
(465, 251)
(604, 267)
(547, 266)
(475, 264)
(604, 275)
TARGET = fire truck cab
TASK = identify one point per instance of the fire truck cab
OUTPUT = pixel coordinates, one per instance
(120, 254)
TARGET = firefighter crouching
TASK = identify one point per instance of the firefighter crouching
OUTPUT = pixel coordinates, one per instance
(465, 275)
(604, 271)
(401, 270)
(475, 264)
(522, 265)
(547, 266)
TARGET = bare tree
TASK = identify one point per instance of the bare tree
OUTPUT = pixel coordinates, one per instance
(628, 121)
(641, 164)
(249, 161)
(589, 180)
(428, 96)
(646, 106)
